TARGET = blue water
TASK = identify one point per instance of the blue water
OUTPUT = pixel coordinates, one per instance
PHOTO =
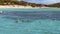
(30, 21)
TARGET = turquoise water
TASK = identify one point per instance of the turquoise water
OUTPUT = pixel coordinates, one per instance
(11, 23)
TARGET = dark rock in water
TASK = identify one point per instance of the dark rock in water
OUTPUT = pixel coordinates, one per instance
(26, 20)
(16, 21)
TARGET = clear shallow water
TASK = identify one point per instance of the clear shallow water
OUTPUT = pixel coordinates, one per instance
(31, 21)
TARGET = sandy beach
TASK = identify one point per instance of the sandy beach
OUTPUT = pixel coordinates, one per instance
(14, 6)
(18, 6)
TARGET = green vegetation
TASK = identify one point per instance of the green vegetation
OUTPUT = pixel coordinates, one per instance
(57, 5)
(15, 2)
(6, 2)
(23, 3)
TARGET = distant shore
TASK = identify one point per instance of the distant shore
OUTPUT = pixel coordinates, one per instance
(18, 6)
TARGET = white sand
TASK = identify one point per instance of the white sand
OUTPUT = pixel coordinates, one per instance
(18, 6)
(14, 6)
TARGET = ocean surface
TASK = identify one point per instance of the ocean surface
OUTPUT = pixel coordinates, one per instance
(30, 21)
